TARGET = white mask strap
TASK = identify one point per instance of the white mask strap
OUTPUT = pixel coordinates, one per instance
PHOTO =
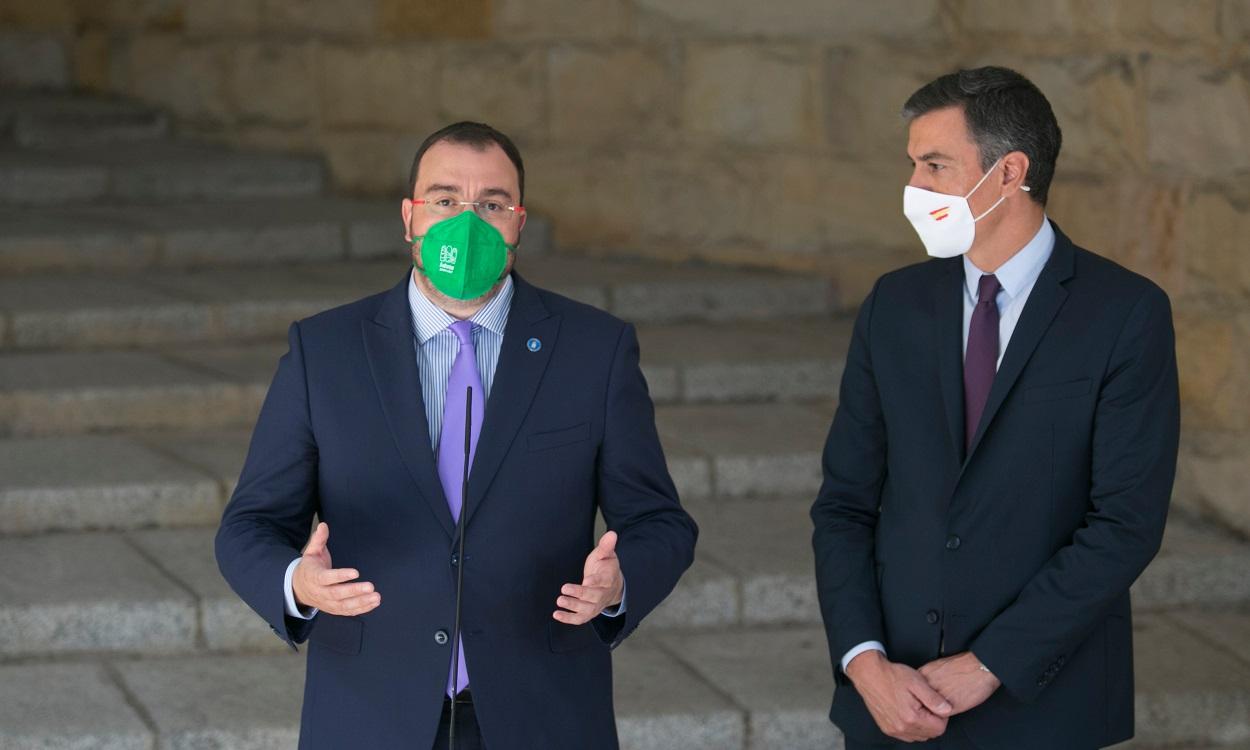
(991, 208)
(987, 174)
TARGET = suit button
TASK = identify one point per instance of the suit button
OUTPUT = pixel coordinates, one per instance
(441, 638)
(932, 616)
(953, 542)
(455, 559)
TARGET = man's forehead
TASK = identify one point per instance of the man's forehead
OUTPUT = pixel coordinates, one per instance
(466, 158)
(942, 133)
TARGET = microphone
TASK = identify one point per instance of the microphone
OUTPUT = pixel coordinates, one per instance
(464, 508)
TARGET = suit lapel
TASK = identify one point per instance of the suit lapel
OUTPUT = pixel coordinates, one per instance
(1044, 303)
(517, 376)
(393, 362)
(948, 333)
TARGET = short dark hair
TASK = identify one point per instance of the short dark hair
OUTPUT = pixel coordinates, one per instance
(476, 134)
(1005, 113)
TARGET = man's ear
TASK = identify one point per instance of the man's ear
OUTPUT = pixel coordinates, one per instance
(405, 210)
(1015, 169)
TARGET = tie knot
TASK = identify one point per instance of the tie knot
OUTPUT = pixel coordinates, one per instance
(463, 330)
(987, 290)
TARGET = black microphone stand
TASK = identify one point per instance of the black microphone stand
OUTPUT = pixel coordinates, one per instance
(464, 508)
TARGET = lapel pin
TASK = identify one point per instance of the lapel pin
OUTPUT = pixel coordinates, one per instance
(533, 345)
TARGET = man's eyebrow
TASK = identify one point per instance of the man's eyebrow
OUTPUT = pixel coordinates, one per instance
(496, 191)
(442, 189)
(936, 156)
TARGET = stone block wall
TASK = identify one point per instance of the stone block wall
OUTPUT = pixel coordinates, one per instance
(737, 131)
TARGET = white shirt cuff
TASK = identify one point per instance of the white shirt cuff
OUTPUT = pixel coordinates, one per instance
(619, 609)
(293, 609)
(861, 648)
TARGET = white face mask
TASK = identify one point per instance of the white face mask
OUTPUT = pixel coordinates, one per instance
(945, 222)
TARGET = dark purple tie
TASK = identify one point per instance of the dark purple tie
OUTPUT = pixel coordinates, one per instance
(981, 359)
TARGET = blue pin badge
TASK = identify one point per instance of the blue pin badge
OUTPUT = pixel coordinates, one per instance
(533, 345)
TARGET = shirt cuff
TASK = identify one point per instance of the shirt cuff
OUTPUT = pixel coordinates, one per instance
(293, 609)
(861, 648)
(619, 609)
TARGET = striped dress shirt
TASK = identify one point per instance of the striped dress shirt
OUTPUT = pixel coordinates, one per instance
(436, 348)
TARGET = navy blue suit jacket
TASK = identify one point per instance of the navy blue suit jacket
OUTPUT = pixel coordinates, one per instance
(568, 430)
(1023, 550)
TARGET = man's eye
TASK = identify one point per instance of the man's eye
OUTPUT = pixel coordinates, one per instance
(936, 167)
(443, 202)
(492, 206)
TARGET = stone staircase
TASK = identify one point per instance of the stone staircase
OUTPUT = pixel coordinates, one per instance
(145, 287)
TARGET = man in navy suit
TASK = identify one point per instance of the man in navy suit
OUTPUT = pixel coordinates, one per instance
(1000, 464)
(366, 427)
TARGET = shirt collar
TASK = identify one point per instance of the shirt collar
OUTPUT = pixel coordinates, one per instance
(1021, 271)
(429, 319)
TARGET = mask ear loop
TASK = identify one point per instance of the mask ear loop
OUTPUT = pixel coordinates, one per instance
(975, 219)
(985, 176)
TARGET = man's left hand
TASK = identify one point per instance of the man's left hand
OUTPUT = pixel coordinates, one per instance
(602, 586)
(961, 680)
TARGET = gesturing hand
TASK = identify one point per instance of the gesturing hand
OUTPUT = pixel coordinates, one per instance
(961, 680)
(317, 584)
(902, 703)
(602, 585)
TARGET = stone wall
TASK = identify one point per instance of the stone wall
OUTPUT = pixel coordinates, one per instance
(737, 131)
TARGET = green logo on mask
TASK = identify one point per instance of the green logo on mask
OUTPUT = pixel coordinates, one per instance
(464, 256)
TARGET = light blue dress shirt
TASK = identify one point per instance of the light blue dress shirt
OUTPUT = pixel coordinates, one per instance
(1016, 277)
(436, 349)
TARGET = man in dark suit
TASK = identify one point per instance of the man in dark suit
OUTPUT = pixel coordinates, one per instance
(365, 428)
(1000, 464)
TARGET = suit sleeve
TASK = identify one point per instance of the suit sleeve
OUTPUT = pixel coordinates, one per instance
(847, 508)
(268, 518)
(656, 537)
(1133, 464)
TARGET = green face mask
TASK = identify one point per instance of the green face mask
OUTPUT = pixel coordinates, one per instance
(463, 256)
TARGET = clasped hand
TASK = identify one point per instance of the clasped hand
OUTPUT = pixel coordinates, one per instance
(914, 705)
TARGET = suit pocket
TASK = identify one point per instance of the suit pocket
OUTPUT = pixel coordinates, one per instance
(342, 634)
(556, 438)
(1073, 389)
(564, 638)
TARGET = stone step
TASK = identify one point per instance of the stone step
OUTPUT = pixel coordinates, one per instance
(286, 231)
(753, 568)
(146, 308)
(739, 689)
(152, 172)
(45, 394)
(210, 386)
(117, 237)
(50, 120)
(163, 478)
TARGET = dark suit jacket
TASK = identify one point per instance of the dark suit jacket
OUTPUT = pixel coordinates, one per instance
(1023, 550)
(568, 430)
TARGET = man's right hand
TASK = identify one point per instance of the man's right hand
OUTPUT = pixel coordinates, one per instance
(316, 583)
(901, 701)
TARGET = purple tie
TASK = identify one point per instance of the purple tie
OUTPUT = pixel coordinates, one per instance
(464, 375)
(981, 359)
